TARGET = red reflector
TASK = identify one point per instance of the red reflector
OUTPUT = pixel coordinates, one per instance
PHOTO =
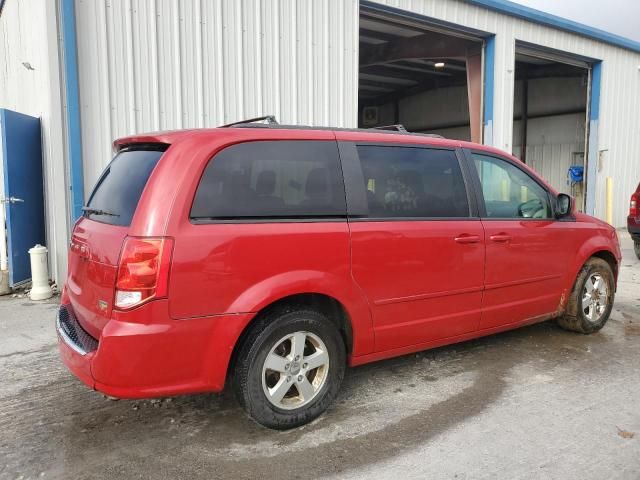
(143, 271)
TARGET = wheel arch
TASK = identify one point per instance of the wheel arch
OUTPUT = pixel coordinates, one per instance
(608, 257)
(593, 248)
(335, 311)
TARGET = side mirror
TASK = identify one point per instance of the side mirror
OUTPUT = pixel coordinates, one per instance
(563, 205)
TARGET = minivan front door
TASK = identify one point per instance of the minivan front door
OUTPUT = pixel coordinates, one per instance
(417, 253)
(527, 249)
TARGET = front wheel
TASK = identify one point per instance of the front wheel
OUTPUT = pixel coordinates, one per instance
(289, 368)
(636, 248)
(592, 298)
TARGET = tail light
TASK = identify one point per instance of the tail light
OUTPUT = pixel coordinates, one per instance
(143, 271)
(633, 205)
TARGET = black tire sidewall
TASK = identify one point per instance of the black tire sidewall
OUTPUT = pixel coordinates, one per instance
(604, 270)
(255, 400)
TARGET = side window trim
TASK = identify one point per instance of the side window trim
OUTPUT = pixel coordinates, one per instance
(356, 194)
(357, 209)
(475, 182)
(480, 195)
(470, 187)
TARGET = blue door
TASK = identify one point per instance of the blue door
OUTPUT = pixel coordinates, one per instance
(21, 152)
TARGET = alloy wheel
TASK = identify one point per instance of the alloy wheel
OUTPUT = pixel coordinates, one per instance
(595, 297)
(295, 370)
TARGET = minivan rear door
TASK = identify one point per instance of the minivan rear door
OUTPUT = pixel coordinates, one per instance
(98, 236)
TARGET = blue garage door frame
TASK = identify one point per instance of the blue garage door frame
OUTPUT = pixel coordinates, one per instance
(592, 143)
(488, 85)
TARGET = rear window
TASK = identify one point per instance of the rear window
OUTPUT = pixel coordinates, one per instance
(272, 179)
(116, 195)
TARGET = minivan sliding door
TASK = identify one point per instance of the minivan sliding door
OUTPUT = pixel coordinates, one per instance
(417, 251)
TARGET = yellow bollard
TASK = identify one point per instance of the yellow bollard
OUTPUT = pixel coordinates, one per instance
(609, 204)
(504, 190)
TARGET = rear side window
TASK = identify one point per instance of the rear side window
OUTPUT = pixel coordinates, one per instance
(116, 195)
(413, 182)
(272, 179)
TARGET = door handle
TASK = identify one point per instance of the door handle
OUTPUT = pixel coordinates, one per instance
(11, 200)
(465, 238)
(500, 238)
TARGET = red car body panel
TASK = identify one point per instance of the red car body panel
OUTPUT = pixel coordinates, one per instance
(415, 296)
(488, 276)
(526, 265)
(633, 219)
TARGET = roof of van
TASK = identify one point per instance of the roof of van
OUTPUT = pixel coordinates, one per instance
(277, 130)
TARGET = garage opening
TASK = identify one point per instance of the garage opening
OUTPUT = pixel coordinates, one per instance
(425, 77)
(550, 118)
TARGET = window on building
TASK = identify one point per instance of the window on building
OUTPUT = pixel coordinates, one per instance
(272, 179)
(413, 182)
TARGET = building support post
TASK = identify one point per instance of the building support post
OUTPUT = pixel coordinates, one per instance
(489, 66)
(72, 103)
(592, 142)
(524, 118)
(474, 89)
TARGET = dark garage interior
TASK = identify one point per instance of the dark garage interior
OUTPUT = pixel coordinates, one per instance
(417, 76)
(550, 111)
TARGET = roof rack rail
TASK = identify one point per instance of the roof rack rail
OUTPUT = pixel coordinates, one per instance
(268, 119)
(398, 127)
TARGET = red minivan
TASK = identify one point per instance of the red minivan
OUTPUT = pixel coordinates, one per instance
(275, 256)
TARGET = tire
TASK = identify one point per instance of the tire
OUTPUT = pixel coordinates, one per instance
(636, 248)
(583, 317)
(275, 336)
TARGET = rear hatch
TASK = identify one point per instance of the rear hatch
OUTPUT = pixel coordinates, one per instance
(99, 235)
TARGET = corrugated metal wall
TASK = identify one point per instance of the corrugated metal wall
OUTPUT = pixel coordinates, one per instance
(148, 65)
(28, 35)
(619, 123)
(154, 65)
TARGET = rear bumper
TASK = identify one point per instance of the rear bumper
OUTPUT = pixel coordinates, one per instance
(73, 352)
(155, 355)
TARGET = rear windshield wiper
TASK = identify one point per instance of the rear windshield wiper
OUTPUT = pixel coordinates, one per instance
(96, 211)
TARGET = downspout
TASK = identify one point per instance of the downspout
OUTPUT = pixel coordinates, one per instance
(72, 100)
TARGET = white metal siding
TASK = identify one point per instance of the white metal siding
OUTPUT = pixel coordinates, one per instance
(149, 65)
(619, 123)
(28, 34)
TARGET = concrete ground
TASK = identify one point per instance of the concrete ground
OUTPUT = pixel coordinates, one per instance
(532, 403)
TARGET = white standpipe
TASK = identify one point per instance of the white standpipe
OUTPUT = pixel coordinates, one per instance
(40, 289)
